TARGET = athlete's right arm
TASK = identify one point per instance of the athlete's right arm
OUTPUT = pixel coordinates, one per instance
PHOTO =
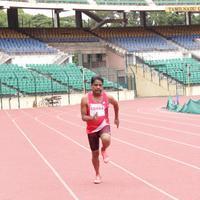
(84, 106)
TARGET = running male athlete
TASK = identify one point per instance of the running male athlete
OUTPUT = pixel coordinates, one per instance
(94, 111)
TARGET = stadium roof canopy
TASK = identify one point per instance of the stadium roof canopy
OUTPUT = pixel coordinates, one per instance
(87, 6)
(92, 5)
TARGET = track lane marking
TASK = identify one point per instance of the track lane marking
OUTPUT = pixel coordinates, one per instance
(44, 159)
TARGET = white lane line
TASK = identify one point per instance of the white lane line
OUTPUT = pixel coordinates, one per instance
(161, 138)
(144, 181)
(158, 154)
(163, 127)
(142, 133)
(136, 131)
(142, 148)
(44, 160)
(113, 163)
(156, 126)
(160, 119)
(166, 113)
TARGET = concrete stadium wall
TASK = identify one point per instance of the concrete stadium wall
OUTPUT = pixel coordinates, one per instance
(28, 102)
(149, 86)
(192, 91)
(33, 59)
(114, 60)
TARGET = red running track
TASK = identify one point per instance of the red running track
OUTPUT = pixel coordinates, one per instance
(155, 155)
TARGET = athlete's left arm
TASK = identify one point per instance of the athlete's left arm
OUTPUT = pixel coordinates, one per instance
(116, 109)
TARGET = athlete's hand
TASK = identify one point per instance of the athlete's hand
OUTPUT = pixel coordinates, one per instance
(116, 122)
(95, 116)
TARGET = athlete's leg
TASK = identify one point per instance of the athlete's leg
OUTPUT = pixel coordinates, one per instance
(106, 140)
(105, 136)
(94, 145)
(95, 161)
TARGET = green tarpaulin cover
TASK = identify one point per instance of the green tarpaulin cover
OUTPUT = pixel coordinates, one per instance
(191, 106)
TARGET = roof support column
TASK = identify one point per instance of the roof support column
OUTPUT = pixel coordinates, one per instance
(125, 19)
(188, 18)
(80, 59)
(143, 18)
(12, 15)
(56, 18)
(79, 22)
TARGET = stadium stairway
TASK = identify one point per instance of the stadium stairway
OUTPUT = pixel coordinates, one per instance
(5, 58)
(62, 58)
(150, 2)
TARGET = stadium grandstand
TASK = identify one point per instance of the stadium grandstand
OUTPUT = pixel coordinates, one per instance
(135, 60)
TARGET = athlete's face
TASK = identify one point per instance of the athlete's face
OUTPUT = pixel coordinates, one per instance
(97, 87)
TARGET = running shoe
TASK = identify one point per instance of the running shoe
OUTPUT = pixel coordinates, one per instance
(97, 180)
(105, 156)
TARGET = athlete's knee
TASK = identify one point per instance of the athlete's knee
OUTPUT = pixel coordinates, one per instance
(95, 154)
(106, 138)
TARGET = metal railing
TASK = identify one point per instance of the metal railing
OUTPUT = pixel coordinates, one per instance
(18, 87)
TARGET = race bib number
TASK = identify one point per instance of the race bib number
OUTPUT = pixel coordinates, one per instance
(97, 108)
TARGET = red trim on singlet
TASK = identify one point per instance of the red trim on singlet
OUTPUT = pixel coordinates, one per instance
(94, 126)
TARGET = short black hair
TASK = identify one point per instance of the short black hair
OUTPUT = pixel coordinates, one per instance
(97, 77)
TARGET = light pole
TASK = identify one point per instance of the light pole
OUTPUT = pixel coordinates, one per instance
(17, 89)
(68, 89)
(84, 80)
(35, 88)
(183, 79)
(188, 77)
(176, 80)
(117, 86)
(1, 95)
(177, 97)
(51, 79)
(51, 86)
(9, 102)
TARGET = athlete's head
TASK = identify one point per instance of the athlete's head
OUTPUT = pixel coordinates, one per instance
(97, 85)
